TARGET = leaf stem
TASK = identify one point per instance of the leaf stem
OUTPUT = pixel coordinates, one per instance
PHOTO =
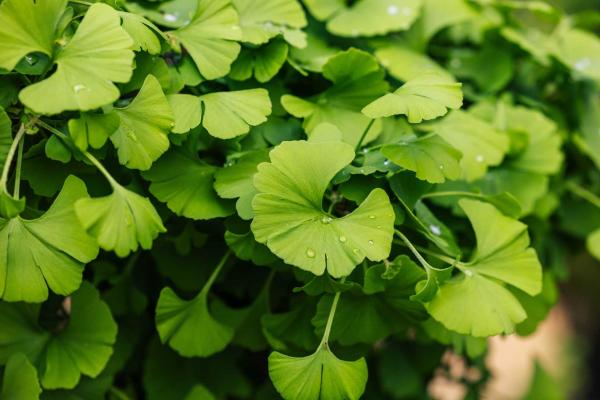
(325, 340)
(9, 157)
(418, 255)
(17, 186)
(583, 193)
(213, 276)
(118, 393)
(440, 257)
(364, 135)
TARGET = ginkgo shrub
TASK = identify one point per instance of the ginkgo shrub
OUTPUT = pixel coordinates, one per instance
(297, 199)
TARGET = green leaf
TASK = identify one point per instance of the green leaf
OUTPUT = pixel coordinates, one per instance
(260, 20)
(141, 32)
(579, 50)
(145, 123)
(479, 142)
(210, 37)
(20, 379)
(291, 328)
(230, 114)
(235, 181)
(593, 243)
(431, 157)
(81, 346)
(357, 80)
(92, 129)
(423, 98)
(98, 54)
(6, 137)
(121, 221)
(247, 248)
(27, 26)
(290, 220)
(365, 17)
(185, 183)
(188, 326)
(406, 64)
(502, 257)
(319, 376)
(56, 251)
(263, 63)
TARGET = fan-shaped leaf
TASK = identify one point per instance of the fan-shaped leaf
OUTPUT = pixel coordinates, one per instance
(20, 380)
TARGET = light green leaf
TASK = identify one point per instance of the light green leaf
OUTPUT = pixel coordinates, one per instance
(235, 181)
(185, 183)
(142, 32)
(503, 256)
(20, 380)
(82, 346)
(437, 15)
(230, 114)
(262, 20)
(27, 26)
(365, 17)
(431, 157)
(120, 221)
(210, 37)
(479, 142)
(423, 98)
(145, 123)
(92, 129)
(579, 50)
(357, 80)
(263, 63)
(320, 376)
(188, 326)
(289, 217)
(186, 110)
(98, 54)
(593, 243)
(405, 64)
(56, 251)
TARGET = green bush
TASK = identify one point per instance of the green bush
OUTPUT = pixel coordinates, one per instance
(256, 199)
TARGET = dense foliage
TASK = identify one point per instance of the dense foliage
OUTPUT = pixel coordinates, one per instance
(256, 199)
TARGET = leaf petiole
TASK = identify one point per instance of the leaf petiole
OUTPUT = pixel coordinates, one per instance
(583, 193)
(213, 276)
(364, 135)
(9, 157)
(406, 242)
(18, 169)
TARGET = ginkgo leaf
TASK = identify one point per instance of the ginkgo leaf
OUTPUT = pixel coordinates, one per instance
(426, 97)
(578, 50)
(357, 80)
(57, 249)
(431, 157)
(593, 243)
(93, 129)
(247, 248)
(98, 54)
(6, 138)
(185, 183)
(263, 62)
(503, 256)
(142, 32)
(121, 221)
(261, 20)
(479, 142)
(20, 379)
(145, 123)
(289, 218)
(187, 112)
(188, 326)
(210, 37)
(320, 376)
(82, 345)
(405, 64)
(230, 114)
(235, 181)
(365, 17)
(28, 26)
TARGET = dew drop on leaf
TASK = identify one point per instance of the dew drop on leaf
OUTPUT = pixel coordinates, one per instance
(326, 220)
(79, 87)
(435, 230)
(310, 253)
(371, 242)
(343, 239)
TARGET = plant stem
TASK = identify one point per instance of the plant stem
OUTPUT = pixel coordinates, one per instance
(364, 135)
(18, 169)
(11, 154)
(416, 253)
(214, 275)
(440, 257)
(118, 393)
(583, 193)
(325, 340)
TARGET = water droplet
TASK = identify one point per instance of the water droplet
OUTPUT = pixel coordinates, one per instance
(310, 253)
(30, 60)
(392, 10)
(371, 242)
(386, 162)
(171, 17)
(326, 220)
(479, 158)
(468, 272)
(343, 239)
(362, 170)
(583, 64)
(355, 251)
(435, 230)
(441, 166)
(371, 217)
(79, 87)
(365, 150)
